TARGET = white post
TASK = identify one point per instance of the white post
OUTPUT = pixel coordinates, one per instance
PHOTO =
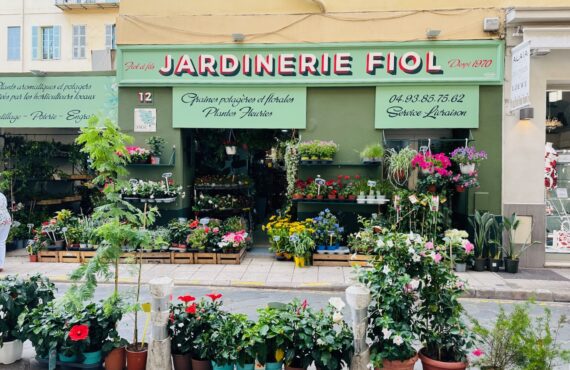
(358, 298)
(159, 344)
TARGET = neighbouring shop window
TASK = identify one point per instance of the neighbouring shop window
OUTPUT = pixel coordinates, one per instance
(46, 44)
(78, 41)
(14, 34)
(557, 170)
(110, 40)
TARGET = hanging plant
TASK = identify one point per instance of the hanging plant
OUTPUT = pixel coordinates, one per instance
(230, 144)
(292, 166)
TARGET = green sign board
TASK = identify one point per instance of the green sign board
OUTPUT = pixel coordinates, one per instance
(479, 62)
(434, 106)
(56, 101)
(231, 107)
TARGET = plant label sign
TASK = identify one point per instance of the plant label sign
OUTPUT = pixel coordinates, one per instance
(415, 106)
(236, 107)
(371, 183)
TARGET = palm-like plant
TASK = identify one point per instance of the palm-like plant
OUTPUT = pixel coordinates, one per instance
(482, 224)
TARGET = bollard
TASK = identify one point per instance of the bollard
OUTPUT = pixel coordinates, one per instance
(159, 344)
(358, 299)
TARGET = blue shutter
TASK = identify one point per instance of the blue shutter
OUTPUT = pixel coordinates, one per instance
(56, 42)
(35, 42)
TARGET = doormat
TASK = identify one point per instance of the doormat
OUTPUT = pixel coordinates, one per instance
(548, 275)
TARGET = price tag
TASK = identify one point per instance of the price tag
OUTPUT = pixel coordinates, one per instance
(413, 199)
(133, 181)
(320, 181)
(434, 203)
(562, 193)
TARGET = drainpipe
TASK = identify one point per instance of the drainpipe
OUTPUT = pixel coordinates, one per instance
(358, 299)
(159, 344)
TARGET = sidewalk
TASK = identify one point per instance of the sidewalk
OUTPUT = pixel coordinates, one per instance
(266, 272)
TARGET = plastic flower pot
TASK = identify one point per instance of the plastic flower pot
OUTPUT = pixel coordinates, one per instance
(332, 247)
(115, 360)
(136, 357)
(431, 364)
(201, 365)
(182, 362)
(512, 266)
(245, 367)
(33, 257)
(299, 261)
(321, 247)
(466, 169)
(66, 359)
(460, 266)
(432, 189)
(399, 365)
(154, 160)
(495, 265)
(215, 366)
(460, 188)
(91, 358)
(274, 366)
(480, 264)
(11, 352)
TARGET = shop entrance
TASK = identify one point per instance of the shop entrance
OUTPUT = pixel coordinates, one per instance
(239, 175)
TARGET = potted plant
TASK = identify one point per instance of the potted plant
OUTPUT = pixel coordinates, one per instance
(44, 328)
(270, 347)
(138, 155)
(180, 331)
(496, 240)
(204, 316)
(430, 163)
(33, 248)
(372, 154)
(328, 232)
(225, 333)
(299, 326)
(327, 150)
(18, 296)
(482, 224)
(311, 191)
(465, 181)
(156, 144)
(303, 245)
(400, 164)
(333, 341)
(467, 157)
(512, 253)
(460, 249)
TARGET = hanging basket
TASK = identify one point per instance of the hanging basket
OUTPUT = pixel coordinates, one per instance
(231, 149)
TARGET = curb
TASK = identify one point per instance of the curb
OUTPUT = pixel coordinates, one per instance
(540, 295)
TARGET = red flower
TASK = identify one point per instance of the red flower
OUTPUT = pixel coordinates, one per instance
(194, 224)
(79, 333)
(305, 304)
(214, 296)
(339, 177)
(347, 177)
(329, 182)
(191, 309)
(357, 177)
(186, 298)
(172, 317)
(207, 229)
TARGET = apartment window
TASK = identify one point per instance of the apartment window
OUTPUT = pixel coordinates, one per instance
(78, 41)
(110, 42)
(14, 35)
(46, 43)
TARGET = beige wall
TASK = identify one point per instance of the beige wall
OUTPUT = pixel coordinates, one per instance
(28, 13)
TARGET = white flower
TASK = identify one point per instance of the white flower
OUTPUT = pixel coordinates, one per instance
(40, 301)
(320, 342)
(380, 243)
(414, 284)
(416, 258)
(387, 333)
(181, 325)
(386, 270)
(398, 340)
(337, 303)
(2, 315)
(337, 317)
(390, 243)
(411, 250)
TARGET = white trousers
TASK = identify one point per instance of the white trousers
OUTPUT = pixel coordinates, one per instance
(4, 230)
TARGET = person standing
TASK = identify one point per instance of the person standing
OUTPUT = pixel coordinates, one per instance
(5, 223)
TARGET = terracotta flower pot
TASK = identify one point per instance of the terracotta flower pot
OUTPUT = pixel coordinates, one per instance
(432, 188)
(400, 365)
(310, 196)
(341, 197)
(115, 360)
(201, 365)
(293, 368)
(332, 197)
(33, 257)
(320, 197)
(182, 362)
(136, 359)
(431, 364)
(352, 197)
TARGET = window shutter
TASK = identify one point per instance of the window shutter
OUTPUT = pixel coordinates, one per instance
(56, 42)
(35, 42)
(108, 36)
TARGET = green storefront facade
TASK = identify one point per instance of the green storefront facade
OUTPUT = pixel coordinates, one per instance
(354, 94)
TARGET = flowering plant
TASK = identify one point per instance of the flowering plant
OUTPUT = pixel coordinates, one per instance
(302, 243)
(138, 154)
(461, 248)
(364, 241)
(318, 149)
(468, 155)
(432, 163)
(466, 181)
(234, 241)
(333, 337)
(327, 229)
(223, 202)
(281, 228)
(206, 315)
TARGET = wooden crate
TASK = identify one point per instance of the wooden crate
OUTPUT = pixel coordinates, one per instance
(70, 256)
(205, 258)
(359, 260)
(230, 258)
(182, 258)
(128, 257)
(48, 256)
(330, 259)
(155, 257)
(87, 256)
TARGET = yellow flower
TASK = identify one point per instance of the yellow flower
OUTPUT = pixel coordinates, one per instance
(279, 354)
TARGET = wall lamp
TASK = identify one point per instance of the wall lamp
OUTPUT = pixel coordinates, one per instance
(38, 73)
(432, 34)
(238, 37)
(526, 114)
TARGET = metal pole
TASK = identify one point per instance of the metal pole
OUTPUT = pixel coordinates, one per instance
(358, 298)
(159, 344)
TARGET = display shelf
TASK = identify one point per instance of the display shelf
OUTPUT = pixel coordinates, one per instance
(333, 202)
(341, 164)
(557, 250)
(222, 187)
(229, 210)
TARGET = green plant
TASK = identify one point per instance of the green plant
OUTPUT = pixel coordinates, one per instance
(373, 151)
(204, 317)
(197, 238)
(303, 243)
(178, 231)
(496, 238)
(511, 224)
(233, 224)
(482, 224)
(269, 328)
(156, 144)
(227, 340)
(299, 326)
(44, 327)
(399, 164)
(333, 345)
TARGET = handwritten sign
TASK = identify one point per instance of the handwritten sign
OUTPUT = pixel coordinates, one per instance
(145, 120)
(411, 106)
(56, 101)
(235, 107)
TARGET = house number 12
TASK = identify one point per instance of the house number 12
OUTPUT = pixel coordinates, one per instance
(145, 97)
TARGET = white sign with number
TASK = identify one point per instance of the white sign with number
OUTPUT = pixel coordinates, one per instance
(520, 76)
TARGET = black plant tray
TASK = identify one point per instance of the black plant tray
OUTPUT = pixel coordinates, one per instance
(70, 365)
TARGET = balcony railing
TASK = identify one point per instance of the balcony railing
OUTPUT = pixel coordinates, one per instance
(86, 4)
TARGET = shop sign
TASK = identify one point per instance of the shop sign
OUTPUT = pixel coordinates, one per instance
(520, 76)
(427, 107)
(56, 101)
(363, 63)
(234, 107)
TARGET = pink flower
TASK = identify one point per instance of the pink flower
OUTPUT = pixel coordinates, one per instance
(429, 245)
(468, 246)
(436, 257)
(478, 352)
(460, 284)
